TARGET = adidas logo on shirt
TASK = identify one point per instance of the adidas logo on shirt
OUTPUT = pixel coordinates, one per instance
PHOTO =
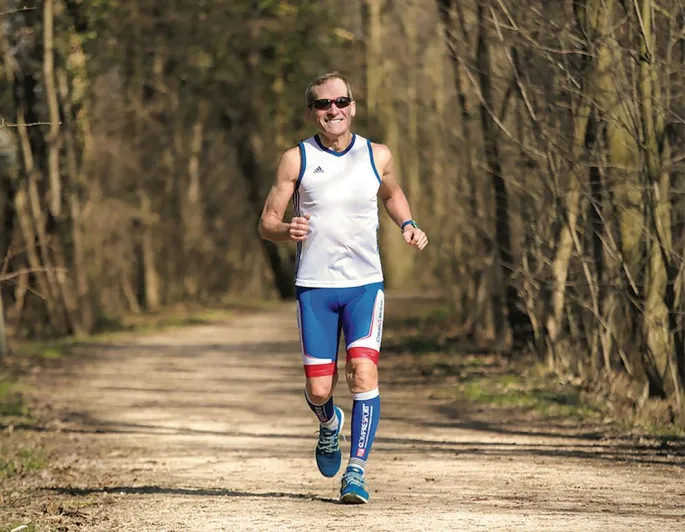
(318, 170)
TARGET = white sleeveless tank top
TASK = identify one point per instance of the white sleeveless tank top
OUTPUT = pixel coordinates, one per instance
(339, 190)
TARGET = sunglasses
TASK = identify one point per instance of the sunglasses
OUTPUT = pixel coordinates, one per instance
(325, 104)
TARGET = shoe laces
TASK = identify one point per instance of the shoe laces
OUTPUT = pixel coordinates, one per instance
(353, 478)
(328, 441)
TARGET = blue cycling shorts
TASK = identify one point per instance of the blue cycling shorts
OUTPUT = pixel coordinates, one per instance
(323, 313)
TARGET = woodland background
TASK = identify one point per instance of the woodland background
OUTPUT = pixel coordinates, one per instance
(540, 143)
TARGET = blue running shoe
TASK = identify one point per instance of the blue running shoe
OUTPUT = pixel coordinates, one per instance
(353, 489)
(328, 455)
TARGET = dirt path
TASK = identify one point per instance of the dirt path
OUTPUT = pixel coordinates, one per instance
(205, 428)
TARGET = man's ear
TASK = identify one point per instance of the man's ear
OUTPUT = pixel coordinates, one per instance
(353, 113)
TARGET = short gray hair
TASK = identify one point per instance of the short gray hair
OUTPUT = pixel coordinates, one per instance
(317, 82)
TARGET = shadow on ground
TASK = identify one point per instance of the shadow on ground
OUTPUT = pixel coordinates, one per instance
(569, 448)
(197, 492)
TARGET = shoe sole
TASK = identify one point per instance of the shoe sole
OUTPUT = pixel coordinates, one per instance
(353, 498)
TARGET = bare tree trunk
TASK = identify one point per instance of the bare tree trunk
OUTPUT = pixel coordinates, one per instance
(657, 224)
(29, 213)
(151, 277)
(8, 177)
(397, 258)
(29, 237)
(19, 297)
(194, 216)
(397, 261)
(410, 153)
(84, 309)
(3, 332)
(130, 294)
(606, 300)
(55, 269)
(506, 311)
(31, 223)
(9, 182)
(481, 314)
(373, 56)
(282, 103)
(249, 166)
(53, 139)
(447, 209)
(594, 17)
(675, 279)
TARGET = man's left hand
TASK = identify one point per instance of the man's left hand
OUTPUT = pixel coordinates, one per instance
(415, 237)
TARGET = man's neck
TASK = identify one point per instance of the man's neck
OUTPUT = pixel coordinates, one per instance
(337, 144)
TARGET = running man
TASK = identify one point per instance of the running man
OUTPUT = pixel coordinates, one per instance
(334, 179)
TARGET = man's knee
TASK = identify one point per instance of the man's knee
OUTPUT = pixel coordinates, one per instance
(319, 389)
(362, 375)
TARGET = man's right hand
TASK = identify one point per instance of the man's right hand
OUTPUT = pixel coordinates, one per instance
(299, 227)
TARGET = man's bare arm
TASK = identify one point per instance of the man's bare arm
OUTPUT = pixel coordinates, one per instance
(392, 195)
(271, 224)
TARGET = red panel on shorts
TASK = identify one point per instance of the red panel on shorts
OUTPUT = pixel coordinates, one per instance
(363, 352)
(320, 370)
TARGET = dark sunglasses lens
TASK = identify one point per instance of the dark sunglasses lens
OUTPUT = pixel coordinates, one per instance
(322, 105)
(342, 102)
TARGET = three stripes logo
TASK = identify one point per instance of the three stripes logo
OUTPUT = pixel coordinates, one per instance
(318, 170)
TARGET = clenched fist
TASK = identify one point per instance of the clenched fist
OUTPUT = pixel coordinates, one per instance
(415, 237)
(299, 227)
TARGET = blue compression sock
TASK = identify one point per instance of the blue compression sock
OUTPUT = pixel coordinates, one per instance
(366, 411)
(325, 412)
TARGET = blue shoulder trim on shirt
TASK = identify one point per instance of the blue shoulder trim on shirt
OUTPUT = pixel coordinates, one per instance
(333, 152)
(373, 164)
(303, 165)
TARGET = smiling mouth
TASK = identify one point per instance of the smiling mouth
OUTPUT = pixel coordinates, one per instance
(335, 120)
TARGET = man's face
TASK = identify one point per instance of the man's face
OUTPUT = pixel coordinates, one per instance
(334, 121)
